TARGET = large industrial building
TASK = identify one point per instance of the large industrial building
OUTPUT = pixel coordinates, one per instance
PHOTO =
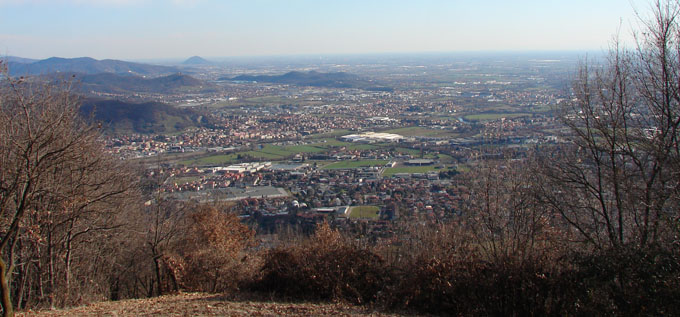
(373, 137)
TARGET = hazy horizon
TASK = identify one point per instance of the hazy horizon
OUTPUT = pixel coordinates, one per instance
(174, 30)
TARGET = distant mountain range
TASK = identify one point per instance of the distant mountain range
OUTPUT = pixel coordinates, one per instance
(85, 65)
(147, 117)
(115, 83)
(315, 79)
(16, 59)
(196, 61)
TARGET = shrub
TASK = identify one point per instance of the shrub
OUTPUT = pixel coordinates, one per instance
(324, 267)
(627, 281)
(209, 256)
(462, 283)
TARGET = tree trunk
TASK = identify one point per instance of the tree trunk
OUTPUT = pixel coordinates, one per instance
(157, 267)
(39, 274)
(22, 285)
(50, 270)
(67, 262)
(5, 301)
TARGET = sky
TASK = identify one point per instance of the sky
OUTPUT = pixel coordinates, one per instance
(165, 29)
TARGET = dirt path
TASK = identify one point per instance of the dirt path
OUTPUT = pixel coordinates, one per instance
(199, 304)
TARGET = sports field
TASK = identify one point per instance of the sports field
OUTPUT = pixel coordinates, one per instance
(365, 212)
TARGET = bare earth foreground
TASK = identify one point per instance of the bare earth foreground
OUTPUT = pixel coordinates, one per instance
(200, 304)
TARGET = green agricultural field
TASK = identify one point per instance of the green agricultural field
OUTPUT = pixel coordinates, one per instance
(218, 159)
(463, 168)
(353, 146)
(330, 142)
(365, 212)
(543, 108)
(270, 151)
(409, 169)
(355, 164)
(264, 155)
(320, 164)
(494, 116)
(311, 148)
(409, 151)
(267, 152)
(275, 152)
(445, 158)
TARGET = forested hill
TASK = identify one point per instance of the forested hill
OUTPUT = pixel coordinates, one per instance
(147, 117)
(114, 83)
(85, 65)
(316, 79)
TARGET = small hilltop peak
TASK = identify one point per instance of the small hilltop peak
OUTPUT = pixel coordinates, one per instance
(196, 60)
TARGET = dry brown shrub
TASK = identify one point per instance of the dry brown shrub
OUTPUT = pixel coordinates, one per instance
(326, 266)
(209, 257)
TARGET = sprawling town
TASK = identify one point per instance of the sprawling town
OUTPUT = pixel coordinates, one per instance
(298, 155)
(339, 158)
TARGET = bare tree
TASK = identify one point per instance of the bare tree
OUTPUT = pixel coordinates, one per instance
(57, 186)
(505, 218)
(617, 181)
(166, 224)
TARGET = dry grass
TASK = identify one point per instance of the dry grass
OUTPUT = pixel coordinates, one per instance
(202, 304)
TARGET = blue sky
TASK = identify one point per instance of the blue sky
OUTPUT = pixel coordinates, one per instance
(147, 29)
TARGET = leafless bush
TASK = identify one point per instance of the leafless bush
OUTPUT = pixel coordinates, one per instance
(209, 255)
(326, 266)
(185, 246)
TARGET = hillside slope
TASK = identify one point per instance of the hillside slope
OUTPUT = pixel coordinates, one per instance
(87, 65)
(114, 83)
(199, 304)
(147, 117)
(315, 79)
